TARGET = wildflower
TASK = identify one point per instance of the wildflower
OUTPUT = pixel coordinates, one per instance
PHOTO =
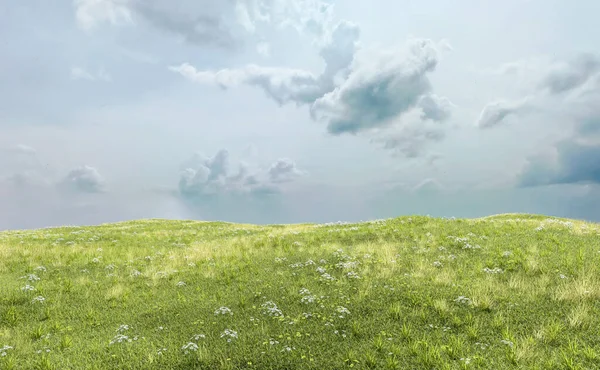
(122, 328)
(161, 351)
(467, 360)
(437, 264)
(342, 311)
(31, 277)
(197, 337)
(507, 342)
(135, 273)
(96, 260)
(41, 268)
(110, 267)
(28, 288)
(190, 347)
(308, 299)
(5, 349)
(327, 277)
(229, 334)
(271, 309)
(38, 299)
(562, 276)
(352, 275)
(223, 311)
(119, 338)
(495, 270)
(181, 283)
(321, 270)
(463, 300)
(507, 254)
(273, 342)
(287, 349)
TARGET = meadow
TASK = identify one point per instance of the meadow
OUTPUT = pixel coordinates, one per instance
(509, 291)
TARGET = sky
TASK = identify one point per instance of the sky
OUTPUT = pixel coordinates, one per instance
(293, 111)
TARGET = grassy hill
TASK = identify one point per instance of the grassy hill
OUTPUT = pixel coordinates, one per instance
(501, 292)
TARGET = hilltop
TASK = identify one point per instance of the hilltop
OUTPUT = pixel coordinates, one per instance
(506, 291)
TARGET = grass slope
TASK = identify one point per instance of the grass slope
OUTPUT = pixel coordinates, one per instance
(502, 292)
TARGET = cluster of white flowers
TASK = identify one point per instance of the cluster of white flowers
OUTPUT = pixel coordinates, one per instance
(437, 264)
(307, 297)
(28, 288)
(181, 283)
(161, 351)
(197, 337)
(31, 277)
(287, 349)
(342, 311)
(190, 347)
(467, 360)
(463, 300)
(41, 269)
(223, 311)
(271, 309)
(495, 270)
(280, 259)
(321, 270)
(121, 338)
(326, 277)
(507, 342)
(229, 334)
(352, 275)
(38, 299)
(507, 254)
(135, 273)
(4, 350)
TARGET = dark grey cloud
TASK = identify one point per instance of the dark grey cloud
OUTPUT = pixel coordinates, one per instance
(576, 163)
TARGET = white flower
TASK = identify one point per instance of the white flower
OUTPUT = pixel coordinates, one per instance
(229, 334)
(308, 299)
(223, 311)
(110, 267)
(495, 270)
(135, 273)
(352, 275)
(96, 260)
(38, 299)
(507, 254)
(119, 338)
(5, 349)
(562, 276)
(507, 342)
(122, 328)
(41, 268)
(463, 300)
(437, 264)
(31, 277)
(28, 288)
(287, 349)
(190, 347)
(271, 309)
(273, 342)
(181, 283)
(321, 270)
(327, 277)
(342, 311)
(197, 337)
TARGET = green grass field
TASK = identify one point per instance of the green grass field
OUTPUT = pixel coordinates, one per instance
(502, 292)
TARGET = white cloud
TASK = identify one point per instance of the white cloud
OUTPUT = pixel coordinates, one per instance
(496, 113)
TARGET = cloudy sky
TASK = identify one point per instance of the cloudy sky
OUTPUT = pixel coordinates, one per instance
(285, 111)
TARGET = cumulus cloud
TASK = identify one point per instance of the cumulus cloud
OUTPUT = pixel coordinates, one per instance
(497, 112)
(84, 179)
(219, 23)
(435, 108)
(284, 170)
(209, 177)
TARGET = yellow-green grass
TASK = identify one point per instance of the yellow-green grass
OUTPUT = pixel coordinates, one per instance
(501, 292)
